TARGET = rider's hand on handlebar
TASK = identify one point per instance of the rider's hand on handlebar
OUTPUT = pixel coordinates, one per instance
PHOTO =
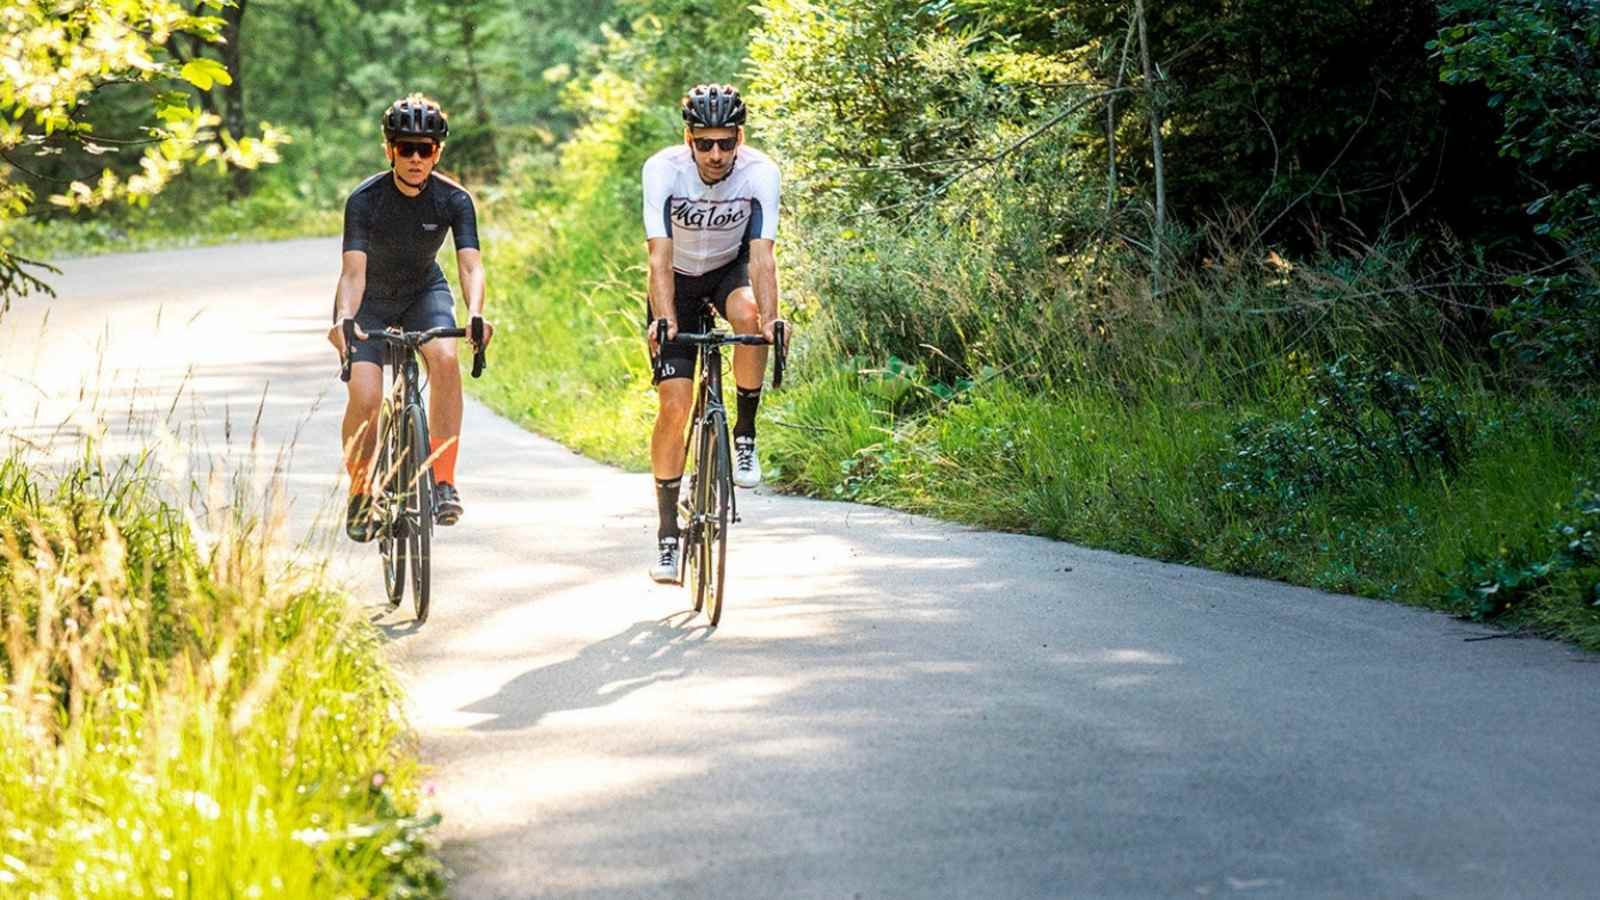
(336, 336)
(488, 333)
(655, 332)
(769, 330)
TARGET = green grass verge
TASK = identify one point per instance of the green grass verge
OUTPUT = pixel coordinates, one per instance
(180, 718)
(1150, 479)
(260, 217)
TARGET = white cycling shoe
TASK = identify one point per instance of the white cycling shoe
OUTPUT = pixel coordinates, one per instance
(746, 467)
(668, 562)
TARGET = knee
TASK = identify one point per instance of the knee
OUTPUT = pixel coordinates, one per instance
(674, 411)
(443, 362)
(742, 313)
(366, 395)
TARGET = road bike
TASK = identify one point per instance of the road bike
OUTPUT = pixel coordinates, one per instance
(402, 488)
(707, 506)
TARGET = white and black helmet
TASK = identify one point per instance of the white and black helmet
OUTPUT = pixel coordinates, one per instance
(415, 117)
(713, 106)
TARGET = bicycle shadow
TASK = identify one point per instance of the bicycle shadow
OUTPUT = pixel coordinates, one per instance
(645, 653)
(391, 630)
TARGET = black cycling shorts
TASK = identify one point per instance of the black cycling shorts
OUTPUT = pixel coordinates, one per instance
(691, 294)
(434, 307)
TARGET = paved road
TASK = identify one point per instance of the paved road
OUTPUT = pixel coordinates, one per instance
(893, 707)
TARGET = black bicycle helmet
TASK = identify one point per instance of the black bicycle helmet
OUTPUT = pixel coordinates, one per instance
(415, 117)
(713, 106)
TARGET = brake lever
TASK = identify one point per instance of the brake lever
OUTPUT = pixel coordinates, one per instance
(349, 326)
(660, 326)
(780, 337)
(475, 330)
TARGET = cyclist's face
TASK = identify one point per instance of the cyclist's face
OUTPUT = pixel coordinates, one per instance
(714, 161)
(413, 158)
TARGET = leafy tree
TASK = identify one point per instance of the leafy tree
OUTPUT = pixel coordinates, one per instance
(1540, 62)
(881, 104)
(58, 60)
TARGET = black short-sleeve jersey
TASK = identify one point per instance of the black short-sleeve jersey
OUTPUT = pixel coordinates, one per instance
(401, 235)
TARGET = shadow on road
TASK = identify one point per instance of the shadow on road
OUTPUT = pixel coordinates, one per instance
(604, 672)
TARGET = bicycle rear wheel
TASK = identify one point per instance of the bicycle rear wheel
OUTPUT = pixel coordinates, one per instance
(391, 542)
(419, 511)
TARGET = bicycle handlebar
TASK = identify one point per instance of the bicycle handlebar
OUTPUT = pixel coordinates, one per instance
(414, 339)
(718, 338)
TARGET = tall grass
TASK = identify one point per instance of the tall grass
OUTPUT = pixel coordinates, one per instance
(182, 714)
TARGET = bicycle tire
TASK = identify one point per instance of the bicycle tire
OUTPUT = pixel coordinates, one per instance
(391, 546)
(715, 534)
(691, 534)
(419, 512)
(688, 513)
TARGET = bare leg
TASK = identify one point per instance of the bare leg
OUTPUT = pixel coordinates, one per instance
(360, 427)
(444, 404)
(666, 441)
(749, 363)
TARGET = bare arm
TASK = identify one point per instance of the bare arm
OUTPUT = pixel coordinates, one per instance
(352, 284)
(469, 266)
(662, 298)
(764, 282)
(347, 298)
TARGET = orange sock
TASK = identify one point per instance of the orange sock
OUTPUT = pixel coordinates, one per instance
(444, 464)
(358, 476)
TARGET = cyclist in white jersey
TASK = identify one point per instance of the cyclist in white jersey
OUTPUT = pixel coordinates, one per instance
(710, 221)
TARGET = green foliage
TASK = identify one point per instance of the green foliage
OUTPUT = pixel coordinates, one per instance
(1538, 60)
(1551, 329)
(1365, 424)
(57, 60)
(1568, 557)
(868, 103)
(179, 715)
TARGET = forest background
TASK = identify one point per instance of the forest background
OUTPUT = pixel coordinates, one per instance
(1308, 290)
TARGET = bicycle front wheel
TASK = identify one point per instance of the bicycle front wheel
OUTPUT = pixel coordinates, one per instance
(716, 492)
(391, 542)
(419, 511)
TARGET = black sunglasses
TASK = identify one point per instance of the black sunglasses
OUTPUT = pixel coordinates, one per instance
(422, 149)
(726, 145)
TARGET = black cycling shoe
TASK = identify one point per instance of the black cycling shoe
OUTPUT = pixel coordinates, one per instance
(446, 504)
(358, 523)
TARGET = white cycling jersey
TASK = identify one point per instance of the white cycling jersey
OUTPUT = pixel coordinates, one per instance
(709, 224)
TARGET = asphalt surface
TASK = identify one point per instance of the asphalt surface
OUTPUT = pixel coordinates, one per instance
(893, 706)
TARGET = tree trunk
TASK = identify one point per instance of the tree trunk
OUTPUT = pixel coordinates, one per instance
(1153, 98)
(1111, 124)
(233, 120)
(469, 41)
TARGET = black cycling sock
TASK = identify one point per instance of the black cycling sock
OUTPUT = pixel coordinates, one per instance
(748, 400)
(667, 507)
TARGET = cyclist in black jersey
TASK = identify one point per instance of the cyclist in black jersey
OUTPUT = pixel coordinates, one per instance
(394, 224)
